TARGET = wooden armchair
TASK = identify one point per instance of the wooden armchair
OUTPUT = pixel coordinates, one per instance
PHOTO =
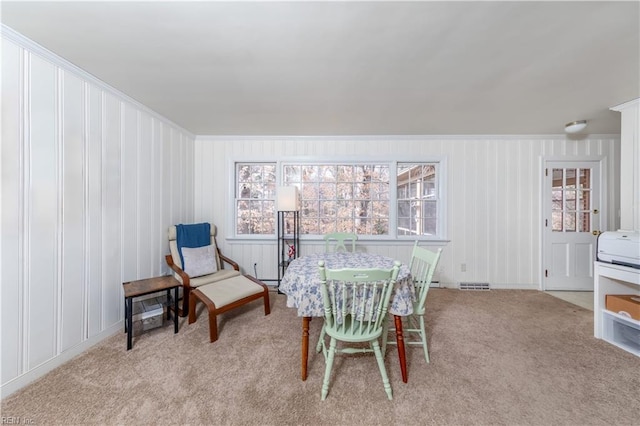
(218, 288)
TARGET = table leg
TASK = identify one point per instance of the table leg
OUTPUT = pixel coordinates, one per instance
(126, 315)
(168, 301)
(305, 345)
(175, 310)
(401, 353)
(129, 310)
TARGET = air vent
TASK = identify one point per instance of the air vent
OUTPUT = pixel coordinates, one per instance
(473, 286)
(435, 284)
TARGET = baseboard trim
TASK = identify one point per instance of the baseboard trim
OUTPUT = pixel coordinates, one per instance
(34, 374)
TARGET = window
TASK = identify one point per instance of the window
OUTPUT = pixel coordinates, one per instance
(571, 200)
(383, 199)
(341, 197)
(417, 199)
(255, 193)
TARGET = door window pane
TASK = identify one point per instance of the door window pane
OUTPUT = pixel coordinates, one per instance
(556, 220)
(585, 222)
(571, 200)
(569, 221)
(557, 178)
(570, 203)
(570, 182)
(585, 178)
(557, 199)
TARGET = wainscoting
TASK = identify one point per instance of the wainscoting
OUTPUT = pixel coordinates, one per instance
(493, 196)
(91, 180)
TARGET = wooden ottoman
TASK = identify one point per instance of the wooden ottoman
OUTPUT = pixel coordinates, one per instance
(227, 294)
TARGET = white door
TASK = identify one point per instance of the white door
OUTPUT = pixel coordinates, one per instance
(572, 218)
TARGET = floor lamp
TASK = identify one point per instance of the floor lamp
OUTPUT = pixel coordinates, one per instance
(288, 207)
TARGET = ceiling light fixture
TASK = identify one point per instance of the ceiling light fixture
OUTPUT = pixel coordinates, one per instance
(575, 126)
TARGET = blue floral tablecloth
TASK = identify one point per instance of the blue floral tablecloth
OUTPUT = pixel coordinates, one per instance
(301, 281)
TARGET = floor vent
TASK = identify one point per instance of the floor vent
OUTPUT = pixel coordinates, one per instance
(474, 286)
(435, 284)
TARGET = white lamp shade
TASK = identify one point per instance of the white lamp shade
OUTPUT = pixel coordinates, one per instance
(287, 199)
(575, 126)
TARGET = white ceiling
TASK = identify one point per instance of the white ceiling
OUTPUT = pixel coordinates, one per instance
(354, 68)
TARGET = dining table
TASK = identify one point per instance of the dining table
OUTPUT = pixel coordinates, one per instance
(301, 284)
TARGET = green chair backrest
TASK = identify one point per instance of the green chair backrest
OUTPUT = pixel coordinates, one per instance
(337, 240)
(356, 301)
(423, 265)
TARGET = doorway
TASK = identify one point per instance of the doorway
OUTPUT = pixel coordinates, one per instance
(572, 218)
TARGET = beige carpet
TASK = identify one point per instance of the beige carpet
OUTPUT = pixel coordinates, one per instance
(580, 298)
(499, 357)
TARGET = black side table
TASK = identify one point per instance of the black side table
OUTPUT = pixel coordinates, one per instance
(150, 285)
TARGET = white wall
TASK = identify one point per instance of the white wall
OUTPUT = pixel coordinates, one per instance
(630, 165)
(494, 189)
(91, 180)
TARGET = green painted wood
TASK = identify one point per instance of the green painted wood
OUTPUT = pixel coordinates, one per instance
(422, 265)
(337, 241)
(356, 302)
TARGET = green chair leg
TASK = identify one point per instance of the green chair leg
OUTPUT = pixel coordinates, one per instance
(423, 336)
(327, 370)
(383, 370)
(385, 332)
(320, 340)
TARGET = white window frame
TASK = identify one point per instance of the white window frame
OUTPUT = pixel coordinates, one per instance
(442, 174)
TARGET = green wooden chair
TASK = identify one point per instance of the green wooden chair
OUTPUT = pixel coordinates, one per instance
(337, 241)
(356, 302)
(423, 264)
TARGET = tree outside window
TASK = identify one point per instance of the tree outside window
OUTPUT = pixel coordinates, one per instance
(255, 193)
(342, 197)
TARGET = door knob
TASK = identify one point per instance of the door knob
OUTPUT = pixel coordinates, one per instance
(596, 233)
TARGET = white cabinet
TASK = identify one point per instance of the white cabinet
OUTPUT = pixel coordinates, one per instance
(616, 329)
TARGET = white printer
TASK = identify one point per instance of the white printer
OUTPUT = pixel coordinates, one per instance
(620, 248)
